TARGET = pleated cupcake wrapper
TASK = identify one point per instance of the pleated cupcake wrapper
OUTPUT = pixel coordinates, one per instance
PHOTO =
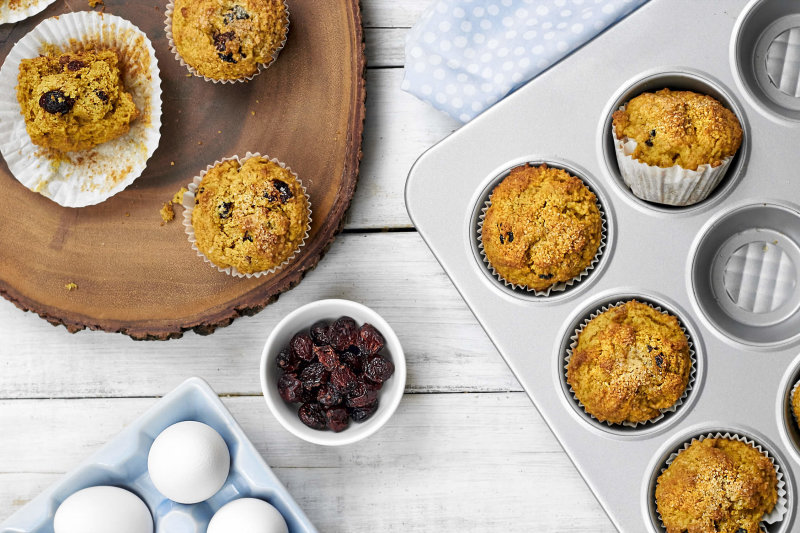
(671, 186)
(188, 208)
(781, 506)
(689, 385)
(261, 66)
(86, 177)
(557, 287)
(22, 10)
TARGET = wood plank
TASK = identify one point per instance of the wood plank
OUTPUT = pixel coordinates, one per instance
(394, 273)
(399, 127)
(391, 13)
(453, 462)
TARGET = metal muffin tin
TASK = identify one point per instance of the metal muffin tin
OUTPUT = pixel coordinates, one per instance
(727, 267)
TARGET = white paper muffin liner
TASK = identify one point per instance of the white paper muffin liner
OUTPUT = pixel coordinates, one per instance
(76, 179)
(188, 208)
(689, 385)
(21, 10)
(781, 506)
(261, 66)
(671, 186)
(557, 287)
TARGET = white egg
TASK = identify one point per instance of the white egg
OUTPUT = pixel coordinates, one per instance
(103, 509)
(247, 515)
(188, 462)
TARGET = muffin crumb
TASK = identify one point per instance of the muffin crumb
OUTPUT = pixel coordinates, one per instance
(71, 286)
(167, 213)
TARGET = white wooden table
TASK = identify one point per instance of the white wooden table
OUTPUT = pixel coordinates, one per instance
(466, 451)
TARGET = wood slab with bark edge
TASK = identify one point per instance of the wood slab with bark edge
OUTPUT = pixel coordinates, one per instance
(140, 278)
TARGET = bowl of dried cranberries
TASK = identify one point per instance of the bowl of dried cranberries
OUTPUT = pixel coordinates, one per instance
(333, 372)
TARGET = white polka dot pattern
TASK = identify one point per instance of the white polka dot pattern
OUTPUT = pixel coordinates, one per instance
(465, 55)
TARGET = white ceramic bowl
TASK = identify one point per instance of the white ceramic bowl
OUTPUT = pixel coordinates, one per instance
(302, 319)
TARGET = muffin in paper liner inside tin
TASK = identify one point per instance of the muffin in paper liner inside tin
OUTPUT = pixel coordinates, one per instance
(560, 286)
(86, 177)
(794, 411)
(663, 412)
(781, 507)
(189, 203)
(170, 9)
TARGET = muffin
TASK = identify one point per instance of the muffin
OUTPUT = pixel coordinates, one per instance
(674, 147)
(74, 101)
(796, 404)
(717, 485)
(228, 39)
(250, 216)
(630, 363)
(543, 227)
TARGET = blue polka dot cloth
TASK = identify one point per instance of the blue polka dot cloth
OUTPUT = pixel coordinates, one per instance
(465, 55)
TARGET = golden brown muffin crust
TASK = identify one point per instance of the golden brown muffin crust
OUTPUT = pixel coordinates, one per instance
(717, 486)
(796, 407)
(679, 128)
(543, 227)
(228, 39)
(251, 216)
(630, 362)
(74, 101)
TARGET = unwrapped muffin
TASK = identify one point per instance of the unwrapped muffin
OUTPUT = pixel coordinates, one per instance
(543, 227)
(796, 404)
(251, 216)
(674, 147)
(74, 101)
(630, 363)
(717, 485)
(228, 39)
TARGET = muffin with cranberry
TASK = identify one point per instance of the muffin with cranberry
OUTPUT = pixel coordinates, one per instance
(227, 40)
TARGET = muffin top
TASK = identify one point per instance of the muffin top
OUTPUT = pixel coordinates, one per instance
(542, 227)
(251, 215)
(630, 362)
(716, 485)
(228, 39)
(74, 101)
(796, 406)
(679, 128)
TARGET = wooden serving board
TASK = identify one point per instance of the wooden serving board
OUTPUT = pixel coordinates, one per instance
(137, 277)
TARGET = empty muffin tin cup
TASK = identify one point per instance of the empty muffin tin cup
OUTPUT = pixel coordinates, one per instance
(625, 427)
(188, 209)
(765, 52)
(170, 9)
(771, 521)
(744, 274)
(480, 214)
(674, 189)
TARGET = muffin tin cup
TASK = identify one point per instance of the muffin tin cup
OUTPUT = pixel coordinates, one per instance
(21, 10)
(558, 287)
(86, 177)
(781, 506)
(675, 185)
(673, 408)
(188, 208)
(261, 66)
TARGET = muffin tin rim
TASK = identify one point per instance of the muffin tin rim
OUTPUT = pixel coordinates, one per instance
(611, 297)
(606, 157)
(478, 202)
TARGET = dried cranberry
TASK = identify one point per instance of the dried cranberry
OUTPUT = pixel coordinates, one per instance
(75, 64)
(327, 356)
(370, 340)
(302, 346)
(328, 395)
(337, 419)
(288, 362)
(378, 369)
(235, 13)
(362, 396)
(344, 379)
(352, 358)
(319, 333)
(359, 414)
(228, 58)
(290, 388)
(283, 192)
(221, 40)
(314, 375)
(312, 415)
(56, 102)
(102, 96)
(343, 333)
(224, 209)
